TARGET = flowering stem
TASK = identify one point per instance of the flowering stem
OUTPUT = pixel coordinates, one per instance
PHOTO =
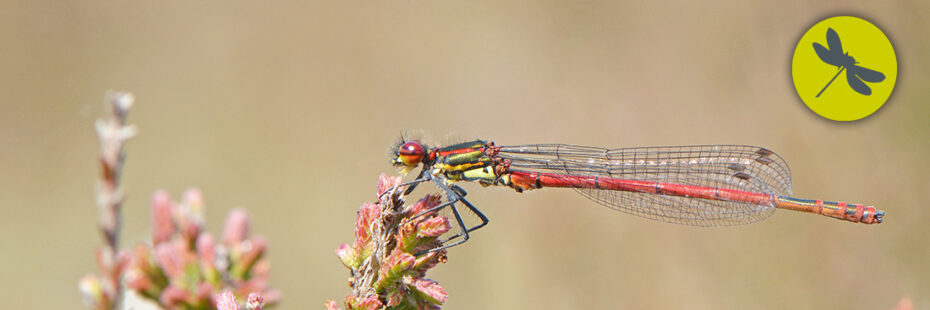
(113, 133)
(382, 232)
(384, 271)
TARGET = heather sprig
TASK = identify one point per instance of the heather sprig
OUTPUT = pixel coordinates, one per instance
(385, 271)
(185, 267)
(104, 291)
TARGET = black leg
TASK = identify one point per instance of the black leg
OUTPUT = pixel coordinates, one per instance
(452, 197)
(460, 196)
(455, 194)
(484, 219)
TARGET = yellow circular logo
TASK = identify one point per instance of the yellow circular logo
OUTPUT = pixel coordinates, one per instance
(844, 68)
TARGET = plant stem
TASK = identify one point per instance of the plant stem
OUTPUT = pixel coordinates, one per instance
(113, 134)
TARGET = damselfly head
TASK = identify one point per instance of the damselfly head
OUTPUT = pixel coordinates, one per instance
(409, 154)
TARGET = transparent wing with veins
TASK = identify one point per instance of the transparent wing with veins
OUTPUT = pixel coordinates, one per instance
(737, 167)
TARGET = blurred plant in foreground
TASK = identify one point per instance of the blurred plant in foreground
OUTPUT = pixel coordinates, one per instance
(184, 268)
(104, 291)
(384, 269)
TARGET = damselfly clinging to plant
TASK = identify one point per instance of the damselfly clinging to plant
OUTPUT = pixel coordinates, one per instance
(702, 185)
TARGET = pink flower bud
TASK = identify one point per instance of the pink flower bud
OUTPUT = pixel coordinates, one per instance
(236, 228)
(348, 256)
(191, 215)
(433, 227)
(206, 250)
(255, 302)
(331, 305)
(174, 257)
(367, 214)
(226, 301)
(162, 219)
(169, 260)
(428, 289)
(369, 303)
(386, 183)
(394, 267)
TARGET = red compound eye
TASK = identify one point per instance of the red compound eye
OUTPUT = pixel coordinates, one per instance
(411, 153)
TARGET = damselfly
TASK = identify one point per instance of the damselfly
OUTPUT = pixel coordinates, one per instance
(702, 185)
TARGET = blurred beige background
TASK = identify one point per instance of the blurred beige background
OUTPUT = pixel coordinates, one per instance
(289, 109)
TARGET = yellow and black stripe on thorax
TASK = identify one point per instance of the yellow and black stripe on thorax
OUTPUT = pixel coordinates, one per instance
(469, 161)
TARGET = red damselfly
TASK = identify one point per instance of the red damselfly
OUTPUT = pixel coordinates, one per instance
(701, 185)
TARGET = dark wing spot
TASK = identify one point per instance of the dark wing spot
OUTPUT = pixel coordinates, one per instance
(736, 167)
(765, 160)
(764, 152)
(744, 176)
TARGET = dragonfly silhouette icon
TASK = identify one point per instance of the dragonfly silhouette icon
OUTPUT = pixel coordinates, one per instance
(855, 75)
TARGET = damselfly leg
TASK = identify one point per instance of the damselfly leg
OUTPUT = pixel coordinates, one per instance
(454, 194)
